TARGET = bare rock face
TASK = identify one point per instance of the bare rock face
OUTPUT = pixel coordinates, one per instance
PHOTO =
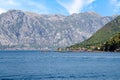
(25, 30)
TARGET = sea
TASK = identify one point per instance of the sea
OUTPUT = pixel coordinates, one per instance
(37, 65)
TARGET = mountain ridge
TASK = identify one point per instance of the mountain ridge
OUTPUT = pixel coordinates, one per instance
(25, 30)
(103, 35)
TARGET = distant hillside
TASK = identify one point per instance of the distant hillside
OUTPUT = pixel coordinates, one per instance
(26, 30)
(102, 35)
(113, 44)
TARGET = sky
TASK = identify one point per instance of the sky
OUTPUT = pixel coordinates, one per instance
(64, 7)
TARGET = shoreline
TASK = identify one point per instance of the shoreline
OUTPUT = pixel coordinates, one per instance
(56, 51)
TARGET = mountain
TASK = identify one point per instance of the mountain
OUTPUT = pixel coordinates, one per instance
(27, 30)
(103, 35)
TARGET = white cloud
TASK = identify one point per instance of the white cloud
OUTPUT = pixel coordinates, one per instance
(2, 10)
(116, 5)
(12, 2)
(9, 2)
(25, 5)
(5, 5)
(75, 6)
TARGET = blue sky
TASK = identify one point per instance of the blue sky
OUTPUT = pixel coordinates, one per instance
(65, 7)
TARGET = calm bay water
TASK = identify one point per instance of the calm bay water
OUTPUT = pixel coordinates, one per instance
(35, 65)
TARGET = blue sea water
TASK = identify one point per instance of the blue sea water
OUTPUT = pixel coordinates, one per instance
(36, 65)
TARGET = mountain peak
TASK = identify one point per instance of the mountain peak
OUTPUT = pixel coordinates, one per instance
(89, 13)
(93, 13)
(14, 10)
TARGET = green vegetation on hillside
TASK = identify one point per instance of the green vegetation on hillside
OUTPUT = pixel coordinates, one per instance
(113, 44)
(101, 36)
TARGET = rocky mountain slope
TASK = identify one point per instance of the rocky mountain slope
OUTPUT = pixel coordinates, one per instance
(103, 35)
(26, 30)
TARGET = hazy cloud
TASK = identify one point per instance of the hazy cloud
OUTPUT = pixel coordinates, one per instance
(116, 5)
(25, 5)
(9, 2)
(6, 4)
(2, 10)
(75, 6)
